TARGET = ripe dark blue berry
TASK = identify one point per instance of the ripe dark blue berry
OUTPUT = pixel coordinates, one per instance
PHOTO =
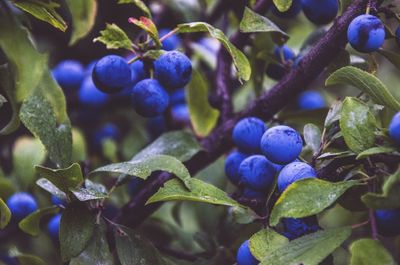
(247, 134)
(282, 54)
(295, 228)
(149, 98)
(366, 33)
(90, 95)
(111, 74)
(57, 201)
(170, 43)
(281, 144)
(257, 173)
(177, 97)
(388, 221)
(310, 100)
(173, 70)
(320, 12)
(293, 172)
(254, 194)
(53, 227)
(394, 128)
(232, 163)
(180, 113)
(21, 204)
(108, 131)
(69, 74)
(244, 256)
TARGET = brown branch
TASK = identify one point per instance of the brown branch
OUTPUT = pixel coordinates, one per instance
(219, 141)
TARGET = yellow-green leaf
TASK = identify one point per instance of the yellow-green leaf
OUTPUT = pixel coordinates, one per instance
(5, 214)
(114, 38)
(367, 251)
(83, 17)
(31, 223)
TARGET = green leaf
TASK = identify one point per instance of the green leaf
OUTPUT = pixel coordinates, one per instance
(239, 59)
(202, 116)
(142, 6)
(7, 187)
(333, 114)
(265, 241)
(51, 188)
(76, 229)
(134, 249)
(367, 251)
(307, 197)
(27, 259)
(310, 249)
(27, 152)
(283, 5)
(253, 22)
(43, 10)
(142, 168)
(83, 17)
(367, 83)
(357, 125)
(97, 251)
(2, 100)
(110, 149)
(114, 38)
(392, 57)
(184, 146)
(173, 190)
(244, 215)
(312, 136)
(376, 150)
(38, 116)
(390, 197)
(79, 148)
(147, 25)
(31, 223)
(88, 194)
(5, 214)
(65, 178)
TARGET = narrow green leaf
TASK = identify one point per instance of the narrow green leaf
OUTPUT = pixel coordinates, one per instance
(31, 223)
(202, 116)
(76, 229)
(310, 249)
(184, 146)
(147, 25)
(65, 178)
(144, 167)
(390, 197)
(367, 83)
(7, 85)
(142, 6)
(114, 38)
(27, 152)
(253, 22)
(27, 259)
(174, 190)
(376, 150)
(283, 5)
(312, 136)
(308, 197)
(134, 249)
(357, 125)
(5, 214)
(392, 57)
(239, 59)
(265, 241)
(367, 251)
(83, 17)
(38, 116)
(51, 188)
(43, 10)
(97, 251)
(88, 194)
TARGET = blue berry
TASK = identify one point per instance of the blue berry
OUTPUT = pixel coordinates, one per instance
(21, 204)
(180, 113)
(232, 163)
(257, 173)
(53, 227)
(177, 97)
(111, 74)
(57, 201)
(138, 73)
(254, 194)
(394, 128)
(284, 51)
(90, 95)
(282, 55)
(134, 186)
(320, 12)
(69, 74)
(247, 134)
(388, 222)
(366, 33)
(149, 98)
(310, 100)
(281, 144)
(295, 228)
(293, 11)
(89, 68)
(173, 69)
(293, 172)
(244, 256)
(170, 43)
(108, 131)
